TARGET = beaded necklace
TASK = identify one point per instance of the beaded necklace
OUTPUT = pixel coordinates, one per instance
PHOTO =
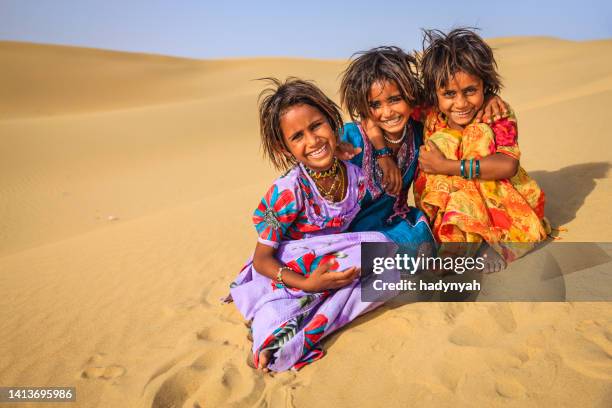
(337, 171)
(331, 172)
(396, 141)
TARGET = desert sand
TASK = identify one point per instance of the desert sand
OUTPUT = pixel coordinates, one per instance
(127, 183)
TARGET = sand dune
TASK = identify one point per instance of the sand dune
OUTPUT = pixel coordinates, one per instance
(42, 80)
(126, 187)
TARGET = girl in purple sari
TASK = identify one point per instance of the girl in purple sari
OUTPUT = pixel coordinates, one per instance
(302, 282)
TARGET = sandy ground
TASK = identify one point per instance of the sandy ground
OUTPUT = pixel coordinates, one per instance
(127, 182)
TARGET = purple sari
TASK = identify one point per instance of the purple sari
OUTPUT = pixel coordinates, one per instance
(306, 229)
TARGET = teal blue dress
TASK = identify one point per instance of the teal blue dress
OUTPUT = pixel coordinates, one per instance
(380, 211)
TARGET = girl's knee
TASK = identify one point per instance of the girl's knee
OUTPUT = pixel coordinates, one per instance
(478, 141)
(447, 143)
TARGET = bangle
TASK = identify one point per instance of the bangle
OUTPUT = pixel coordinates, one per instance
(477, 168)
(279, 276)
(385, 151)
(471, 168)
(462, 168)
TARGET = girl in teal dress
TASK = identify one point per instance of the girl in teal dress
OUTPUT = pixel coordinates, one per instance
(382, 87)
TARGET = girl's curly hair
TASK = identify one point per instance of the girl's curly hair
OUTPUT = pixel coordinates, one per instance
(379, 64)
(460, 50)
(275, 100)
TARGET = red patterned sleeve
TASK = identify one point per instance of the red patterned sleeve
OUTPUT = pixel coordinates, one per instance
(506, 136)
(277, 210)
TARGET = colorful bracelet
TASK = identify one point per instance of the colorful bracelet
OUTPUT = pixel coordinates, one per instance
(279, 275)
(384, 152)
(474, 170)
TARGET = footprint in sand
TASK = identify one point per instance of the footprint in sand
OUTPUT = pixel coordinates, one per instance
(450, 372)
(510, 388)
(203, 334)
(480, 336)
(467, 336)
(452, 310)
(218, 377)
(503, 316)
(96, 369)
(590, 351)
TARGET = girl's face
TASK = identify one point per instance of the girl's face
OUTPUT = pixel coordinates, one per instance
(461, 99)
(388, 109)
(308, 136)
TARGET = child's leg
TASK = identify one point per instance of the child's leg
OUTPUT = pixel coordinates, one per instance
(448, 142)
(511, 220)
(432, 191)
(478, 141)
(466, 218)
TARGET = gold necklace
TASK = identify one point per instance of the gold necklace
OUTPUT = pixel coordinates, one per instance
(332, 171)
(338, 183)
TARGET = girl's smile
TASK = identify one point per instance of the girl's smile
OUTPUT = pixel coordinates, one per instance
(321, 152)
(461, 99)
(308, 137)
(388, 108)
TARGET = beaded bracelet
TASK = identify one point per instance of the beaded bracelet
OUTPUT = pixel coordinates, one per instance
(384, 152)
(279, 275)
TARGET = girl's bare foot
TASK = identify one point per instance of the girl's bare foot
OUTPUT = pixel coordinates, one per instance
(264, 360)
(493, 262)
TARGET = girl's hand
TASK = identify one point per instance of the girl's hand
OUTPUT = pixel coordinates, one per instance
(346, 151)
(374, 133)
(493, 109)
(392, 177)
(431, 159)
(322, 278)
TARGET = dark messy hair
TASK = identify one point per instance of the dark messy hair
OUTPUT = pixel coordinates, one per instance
(460, 50)
(274, 102)
(378, 64)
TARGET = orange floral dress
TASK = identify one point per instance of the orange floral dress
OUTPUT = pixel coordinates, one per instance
(499, 212)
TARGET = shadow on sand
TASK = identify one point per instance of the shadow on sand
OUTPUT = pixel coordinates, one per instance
(567, 188)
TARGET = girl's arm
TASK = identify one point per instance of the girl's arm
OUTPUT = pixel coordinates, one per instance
(501, 165)
(495, 167)
(276, 212)
(321, 278)
(392, 177)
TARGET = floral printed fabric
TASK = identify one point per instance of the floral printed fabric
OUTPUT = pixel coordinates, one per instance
(292, 210)
(460, 210)
(380, 211)
(306, 230)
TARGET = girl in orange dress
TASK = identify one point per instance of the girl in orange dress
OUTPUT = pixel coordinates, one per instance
(470, 184)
